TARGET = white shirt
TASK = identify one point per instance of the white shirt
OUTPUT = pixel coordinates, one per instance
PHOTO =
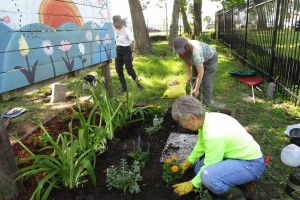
(123, 37)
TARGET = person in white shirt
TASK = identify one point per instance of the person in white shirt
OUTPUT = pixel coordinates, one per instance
(125, 47)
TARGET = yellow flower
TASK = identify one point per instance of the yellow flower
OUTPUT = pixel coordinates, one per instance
(158, 107)
(175, 168)
(97, 38)
(151, 105)
(168, 161)
(174, 158)
(23, 46)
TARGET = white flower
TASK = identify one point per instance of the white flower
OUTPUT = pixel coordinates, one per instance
(107, 39)
(89, 36)
(47, 47)
(81, 48)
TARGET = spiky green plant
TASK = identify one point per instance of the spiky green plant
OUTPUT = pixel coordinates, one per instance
(67, 166)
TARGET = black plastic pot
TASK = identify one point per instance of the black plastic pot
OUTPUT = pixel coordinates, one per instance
(293, 185)
(295, 136)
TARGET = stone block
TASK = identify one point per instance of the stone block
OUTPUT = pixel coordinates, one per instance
(179, 145)
(58, 93)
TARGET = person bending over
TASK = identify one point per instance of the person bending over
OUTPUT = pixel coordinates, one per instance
(204, 61)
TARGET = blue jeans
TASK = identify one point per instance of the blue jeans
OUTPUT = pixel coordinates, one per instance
(220, 176)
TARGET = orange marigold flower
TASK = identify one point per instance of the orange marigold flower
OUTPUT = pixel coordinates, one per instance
(175, 168)
(174, 158)
(168, 161)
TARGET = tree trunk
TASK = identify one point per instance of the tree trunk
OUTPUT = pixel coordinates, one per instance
(262, 21)
(8, 166)
(186, 25)
(197, 17)
(141, 35)
(174, 22)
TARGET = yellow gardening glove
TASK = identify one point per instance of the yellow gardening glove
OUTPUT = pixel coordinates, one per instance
(183, 188)
(185, 165)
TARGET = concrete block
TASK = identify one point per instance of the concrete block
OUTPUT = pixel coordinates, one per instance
(179, 145)
(58, 93)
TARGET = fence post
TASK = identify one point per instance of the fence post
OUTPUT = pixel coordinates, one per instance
(231, 34)
(105, 70)
(273, 48)
(246, 34)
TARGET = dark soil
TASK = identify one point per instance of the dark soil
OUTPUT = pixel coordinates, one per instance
(152, 186)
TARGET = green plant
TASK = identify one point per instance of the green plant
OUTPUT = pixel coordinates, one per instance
(115, 112)
(157, 111)
(67, 165)
(138, 155)
(204, 194)
(90, 134)
(206, 37)
(108, 108)
(123, 177)
(172, 170)
(38, 139)
(152, 129)
(133, 113)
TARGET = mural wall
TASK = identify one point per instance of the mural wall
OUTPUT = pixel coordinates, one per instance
(41, 39)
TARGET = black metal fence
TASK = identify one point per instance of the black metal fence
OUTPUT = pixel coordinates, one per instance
(266, 36)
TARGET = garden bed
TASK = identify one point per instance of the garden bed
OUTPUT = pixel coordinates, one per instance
(152, 186)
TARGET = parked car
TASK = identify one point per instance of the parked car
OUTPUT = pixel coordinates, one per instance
(150, 29)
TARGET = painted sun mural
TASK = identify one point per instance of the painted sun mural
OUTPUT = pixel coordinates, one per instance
(42, 39)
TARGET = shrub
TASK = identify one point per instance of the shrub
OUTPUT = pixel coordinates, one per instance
(156, 126)
(152, 129)
(124, 178)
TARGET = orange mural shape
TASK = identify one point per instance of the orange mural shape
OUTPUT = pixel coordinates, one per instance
(54, 13)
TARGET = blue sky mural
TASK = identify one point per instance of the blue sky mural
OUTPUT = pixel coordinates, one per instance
(41, 39)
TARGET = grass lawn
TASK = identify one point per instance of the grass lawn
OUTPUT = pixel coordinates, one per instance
(264, 120)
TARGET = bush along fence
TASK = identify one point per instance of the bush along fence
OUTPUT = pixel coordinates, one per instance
(265, 35)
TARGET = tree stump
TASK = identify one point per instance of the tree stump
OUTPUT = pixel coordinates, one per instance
(8, 167)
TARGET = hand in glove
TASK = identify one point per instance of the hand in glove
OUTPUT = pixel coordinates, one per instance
(183, 188)
(185, 165)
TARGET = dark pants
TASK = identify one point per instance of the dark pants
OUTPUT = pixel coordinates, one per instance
(124, 57)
